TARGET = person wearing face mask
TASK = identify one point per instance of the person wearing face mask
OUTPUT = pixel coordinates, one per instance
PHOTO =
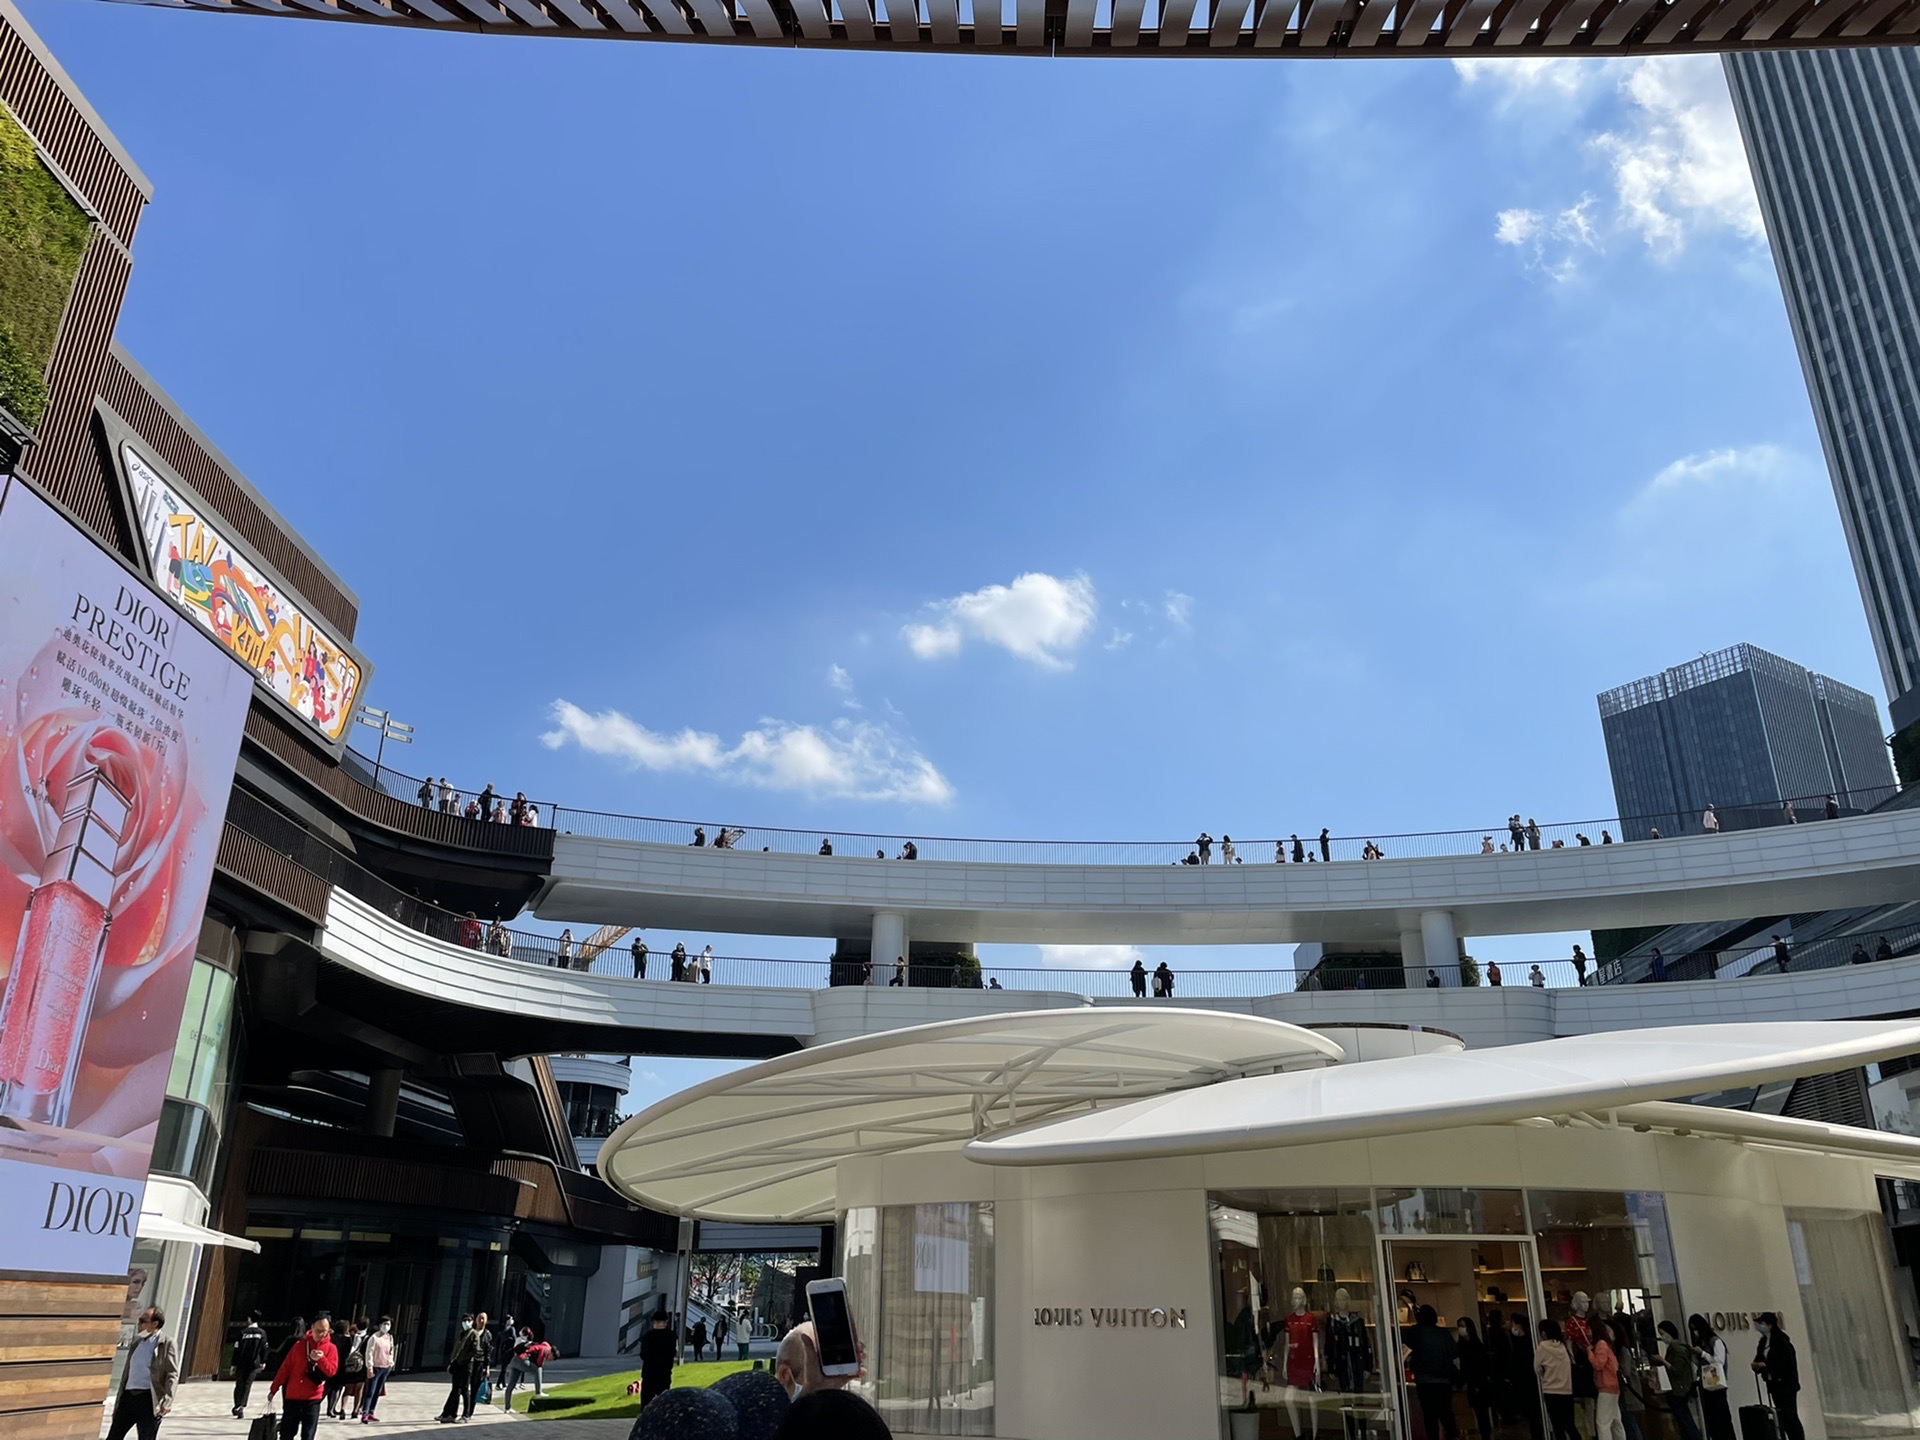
(1776, 1362)
(382, 1351)
(146, 1390)
(1523, 1386)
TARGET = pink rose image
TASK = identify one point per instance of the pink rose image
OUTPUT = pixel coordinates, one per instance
(49, 739)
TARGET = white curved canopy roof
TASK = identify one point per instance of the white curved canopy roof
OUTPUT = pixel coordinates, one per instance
(1575, 1075)
(763, 1143)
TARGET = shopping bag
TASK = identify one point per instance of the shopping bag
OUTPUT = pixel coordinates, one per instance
(264, 1427)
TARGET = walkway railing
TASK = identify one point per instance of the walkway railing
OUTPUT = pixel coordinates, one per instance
(1303, 848)
(1308, 848)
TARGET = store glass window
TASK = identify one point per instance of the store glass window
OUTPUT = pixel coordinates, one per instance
(920, 1282)
(1426, 1210)
(1607, 1253)
(200, 1054)
(1298, 1342)
(1865, 1382)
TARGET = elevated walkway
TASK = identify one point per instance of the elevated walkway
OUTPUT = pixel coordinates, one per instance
(1859, 860)
(461, 1000)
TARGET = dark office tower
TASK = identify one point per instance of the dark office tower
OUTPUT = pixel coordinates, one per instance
(1744, 731)
(1833, 137)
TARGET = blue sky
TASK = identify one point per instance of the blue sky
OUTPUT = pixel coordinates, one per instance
(1351, 424)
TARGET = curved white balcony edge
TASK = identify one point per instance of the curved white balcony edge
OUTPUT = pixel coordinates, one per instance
(1830, 864)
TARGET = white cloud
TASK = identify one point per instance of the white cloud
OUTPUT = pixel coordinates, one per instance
(1516, 227)
(1179, 609)
(855, 760)
(1529, 78)
(1679, 165)
(841, 681)
(1767, 505)
(1669, 146)
(1039, 618)
(1121, 639)
(1090, 957)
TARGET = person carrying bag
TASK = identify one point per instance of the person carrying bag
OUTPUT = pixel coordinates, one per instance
(1776, 1370)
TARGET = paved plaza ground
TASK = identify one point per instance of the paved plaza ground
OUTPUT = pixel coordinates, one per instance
(204, 1412)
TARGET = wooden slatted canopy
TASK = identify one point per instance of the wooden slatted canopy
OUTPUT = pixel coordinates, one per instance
(1157, 27)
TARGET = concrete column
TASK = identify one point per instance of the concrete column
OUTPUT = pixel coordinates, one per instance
(1440, 946)
(383, 1100)
(889, 943)
(1413, 955)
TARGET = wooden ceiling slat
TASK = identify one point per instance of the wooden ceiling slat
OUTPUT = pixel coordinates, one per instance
(1617, 28)
(1823, 17)
(1270, 22)
(1565, 28)
(1229, 18)
(811, 17)
(1414, 26)
(906, 31)
(1030, 23)
(1870, 19)
(1368, 24)
(1318, 22)
(578, 14)
(1176, 23)
(1124, 30)
(1079, 32)
(1725, 18)
(1768, 22)
(1680, 14)
(943, 18)
(857, 16)
(1467, 24)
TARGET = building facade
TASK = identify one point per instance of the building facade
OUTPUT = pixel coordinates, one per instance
(1745, 731)
(1833, 138)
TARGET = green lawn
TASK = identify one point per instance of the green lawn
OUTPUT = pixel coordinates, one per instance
(606, 1398)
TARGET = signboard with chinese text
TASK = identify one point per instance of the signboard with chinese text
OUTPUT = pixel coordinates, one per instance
(119, 731)
(235, 601)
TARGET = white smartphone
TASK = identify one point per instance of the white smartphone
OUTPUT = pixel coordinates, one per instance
(833, 1333)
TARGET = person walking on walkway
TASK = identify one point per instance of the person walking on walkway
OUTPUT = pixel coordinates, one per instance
(639, 958)
(1780, 956)
(1203, 847)
(1138, 975)
(1832, 810)
(1776, 1363)
(1299, 850)
(1537, 978)
(699, 1337)
(658, 1354)
(1710, 822)
(563, 952)
(899, 972)
(1326, 846)
(382, 1351)
(1657, 967)
(249, 1359)
(147, 1387)
(706, 965)
(1607, 1424)
(1579, 966)
(310, 1362)
(353, 1365)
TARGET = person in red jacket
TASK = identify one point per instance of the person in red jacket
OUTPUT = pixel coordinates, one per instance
(303, 1374)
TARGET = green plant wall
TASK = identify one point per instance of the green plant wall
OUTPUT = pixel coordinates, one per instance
(43, 236)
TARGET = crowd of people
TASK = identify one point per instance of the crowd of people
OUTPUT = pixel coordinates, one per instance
(487, 805)
(1619, 1368)
(341, 1373)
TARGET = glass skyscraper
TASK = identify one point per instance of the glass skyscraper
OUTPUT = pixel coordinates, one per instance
(1745, 731)
(1833, 137)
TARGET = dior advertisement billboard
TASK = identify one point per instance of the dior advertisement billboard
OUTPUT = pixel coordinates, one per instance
(119, 730)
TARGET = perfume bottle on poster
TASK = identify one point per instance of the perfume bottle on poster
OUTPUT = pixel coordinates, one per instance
(56, 969)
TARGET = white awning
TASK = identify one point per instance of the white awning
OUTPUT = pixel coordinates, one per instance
(185, 1232)
(1574, 1076)
(765, 1143)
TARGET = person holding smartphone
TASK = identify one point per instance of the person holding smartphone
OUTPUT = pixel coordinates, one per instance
(310, 1362)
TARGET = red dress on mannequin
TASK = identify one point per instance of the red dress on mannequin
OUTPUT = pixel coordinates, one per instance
(1302, 1328)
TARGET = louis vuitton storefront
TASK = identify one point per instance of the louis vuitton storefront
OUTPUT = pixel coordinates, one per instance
(1084, 1223)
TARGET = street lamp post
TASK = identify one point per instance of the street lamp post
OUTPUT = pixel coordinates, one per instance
(390, 729)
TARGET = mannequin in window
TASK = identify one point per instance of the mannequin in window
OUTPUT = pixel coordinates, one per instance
(1303, 1362)
(1349, 1349)
(1243, 1340)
